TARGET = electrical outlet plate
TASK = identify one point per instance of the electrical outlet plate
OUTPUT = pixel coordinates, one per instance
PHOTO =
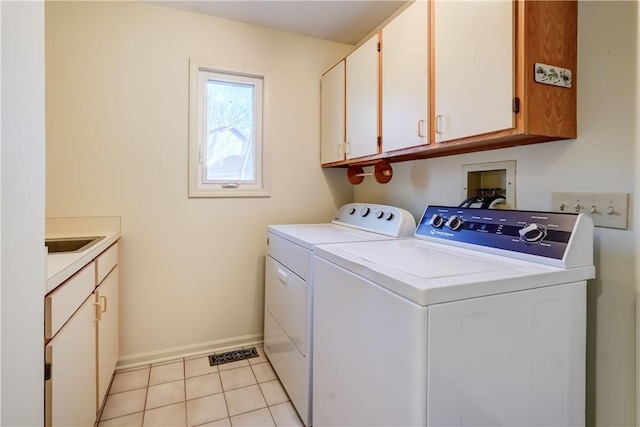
(609, 210)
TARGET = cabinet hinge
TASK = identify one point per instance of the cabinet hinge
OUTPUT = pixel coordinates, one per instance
(378, 46)
(379, 142)
(47, 371)
(516, 105)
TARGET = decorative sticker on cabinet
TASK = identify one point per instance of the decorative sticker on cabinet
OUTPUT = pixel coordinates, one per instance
(552, 75)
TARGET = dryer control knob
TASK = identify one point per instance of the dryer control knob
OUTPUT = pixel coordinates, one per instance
(352, 211)
(388, 216)
(436, 221)
(379, 214)
(454, 223)
(364, 211)
(533, 233)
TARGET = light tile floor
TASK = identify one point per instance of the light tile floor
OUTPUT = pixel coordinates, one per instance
(188, 392)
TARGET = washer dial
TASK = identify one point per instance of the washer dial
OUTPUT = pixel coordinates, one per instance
(436, 221)
(533, 233)
(454, 223)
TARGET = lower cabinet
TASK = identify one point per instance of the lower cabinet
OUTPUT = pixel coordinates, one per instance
(81, 355)
(107, 332)
(70, 356)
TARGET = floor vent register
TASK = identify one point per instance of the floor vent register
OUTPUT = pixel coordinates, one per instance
(233, 356)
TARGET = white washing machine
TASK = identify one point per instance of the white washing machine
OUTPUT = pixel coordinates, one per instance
(478, 321)
(289, 286)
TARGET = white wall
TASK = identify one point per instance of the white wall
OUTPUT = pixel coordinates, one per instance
(117, 129)
(603, 158)
(23, 280)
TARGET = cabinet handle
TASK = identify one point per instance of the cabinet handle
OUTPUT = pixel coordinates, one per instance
(439, 124)
(340, 150)
(98, 312)
(347, 147)
(282, 276)
(103, 298)
(420, 125)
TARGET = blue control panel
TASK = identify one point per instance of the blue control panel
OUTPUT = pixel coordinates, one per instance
(543, 234)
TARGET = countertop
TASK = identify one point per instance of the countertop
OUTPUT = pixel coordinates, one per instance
(61, 266)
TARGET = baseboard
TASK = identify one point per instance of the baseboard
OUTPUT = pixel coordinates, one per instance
(204, 348)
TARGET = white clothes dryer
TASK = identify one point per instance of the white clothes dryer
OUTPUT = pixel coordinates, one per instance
(289, 282)
(478, 321)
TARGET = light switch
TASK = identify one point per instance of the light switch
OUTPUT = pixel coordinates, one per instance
(609, 210)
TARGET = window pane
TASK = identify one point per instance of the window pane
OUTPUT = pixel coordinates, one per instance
(230, 150)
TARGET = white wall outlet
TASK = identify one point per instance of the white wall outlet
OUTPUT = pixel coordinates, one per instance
(609, 210)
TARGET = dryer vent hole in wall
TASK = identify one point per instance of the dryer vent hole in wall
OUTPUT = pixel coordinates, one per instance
(232, 356)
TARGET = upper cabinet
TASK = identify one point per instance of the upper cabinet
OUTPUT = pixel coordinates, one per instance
(404, 79)
(350, 104)
(473, 68)
(362, 71)
(463, 76)
(332, 130)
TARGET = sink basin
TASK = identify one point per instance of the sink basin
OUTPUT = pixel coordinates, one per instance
(71, 244)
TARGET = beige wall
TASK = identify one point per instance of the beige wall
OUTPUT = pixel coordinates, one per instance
(603, 158)
(117, 101)
(117, 127)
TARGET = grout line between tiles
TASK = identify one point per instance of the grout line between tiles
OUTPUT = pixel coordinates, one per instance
(226, 404)
(184, 374)
(265, 400)
(144, 407)
(263, 396)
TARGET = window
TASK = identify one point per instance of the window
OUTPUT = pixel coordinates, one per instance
(225, 132)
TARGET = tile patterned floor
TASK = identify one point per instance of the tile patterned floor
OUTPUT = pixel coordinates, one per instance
(188, 392)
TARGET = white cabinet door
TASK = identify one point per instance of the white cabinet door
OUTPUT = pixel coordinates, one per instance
(71, 391)
(511, 359)
(362, 100)
(332, 95)
(474, 67)
(405, 79)
(108, 337)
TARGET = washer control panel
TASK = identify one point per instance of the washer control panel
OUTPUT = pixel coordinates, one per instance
(382, 219)
(544, 234)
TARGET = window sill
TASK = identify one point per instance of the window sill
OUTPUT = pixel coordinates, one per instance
(228, 193)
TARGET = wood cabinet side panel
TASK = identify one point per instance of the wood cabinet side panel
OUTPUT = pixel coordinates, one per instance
(550, 37)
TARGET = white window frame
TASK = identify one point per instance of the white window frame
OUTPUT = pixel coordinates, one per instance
(199, 73)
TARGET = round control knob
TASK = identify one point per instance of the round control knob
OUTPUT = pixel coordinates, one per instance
(454, 223)
(388, 216)
(533, 233)
(352, 211)
(364, 211)
(379, 214)
(436, 221)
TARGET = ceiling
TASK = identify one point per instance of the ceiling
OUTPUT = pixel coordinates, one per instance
(343, 21)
